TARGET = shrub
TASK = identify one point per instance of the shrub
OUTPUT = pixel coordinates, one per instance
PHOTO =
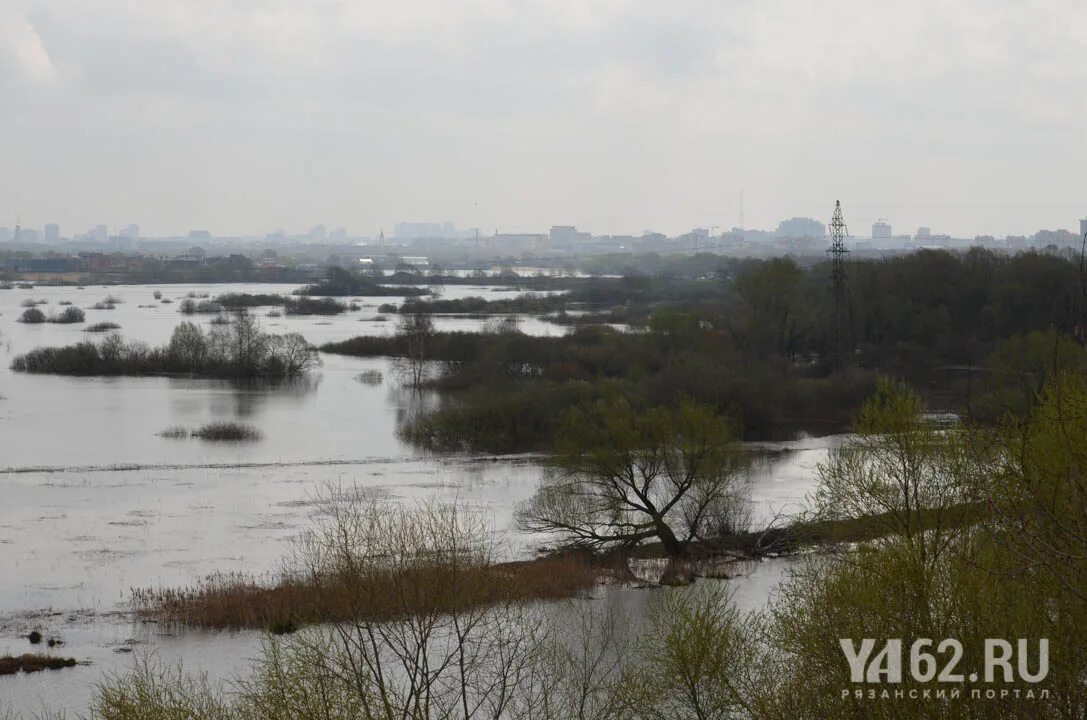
(386, 308)
(32, 316)
(228, 431)
(207, 307)
(220, 319)
(70, 315)
(31, 302)
(158, 295)
(174, 432)
(33, 663)
(102, 327)
(103, 305)
(187, 306)
(65, 302)
(370, 377)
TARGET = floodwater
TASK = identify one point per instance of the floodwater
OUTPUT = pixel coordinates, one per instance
(94, 503)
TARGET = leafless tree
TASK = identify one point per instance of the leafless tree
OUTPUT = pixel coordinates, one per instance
(623, 478)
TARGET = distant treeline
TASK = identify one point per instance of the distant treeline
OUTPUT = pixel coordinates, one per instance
(976, 333)
(346, 283)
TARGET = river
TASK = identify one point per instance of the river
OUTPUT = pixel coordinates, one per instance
(94, 502)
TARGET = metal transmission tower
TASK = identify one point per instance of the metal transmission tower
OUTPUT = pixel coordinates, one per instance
(837, 253)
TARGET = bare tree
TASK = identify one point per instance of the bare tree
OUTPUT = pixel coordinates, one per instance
(623, 478)
(416, 330)
(292, 353)
(419, 642)
(188, 346)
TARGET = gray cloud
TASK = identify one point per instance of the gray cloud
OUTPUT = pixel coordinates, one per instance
(614, 115)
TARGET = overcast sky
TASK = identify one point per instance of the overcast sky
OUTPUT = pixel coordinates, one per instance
(615, 116)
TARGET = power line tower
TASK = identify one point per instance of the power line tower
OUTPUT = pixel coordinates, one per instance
(837, 253)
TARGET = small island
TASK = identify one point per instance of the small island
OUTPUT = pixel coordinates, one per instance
(237, 349)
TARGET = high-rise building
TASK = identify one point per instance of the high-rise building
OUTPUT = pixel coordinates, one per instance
(881, 230)
(801, 227)
(923, 233)
(52, 233)
(100, 233)
(130, 232)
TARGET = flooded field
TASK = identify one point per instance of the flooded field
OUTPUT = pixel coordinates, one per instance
(95, 502)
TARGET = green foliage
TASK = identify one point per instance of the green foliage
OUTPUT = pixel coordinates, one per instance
(697, 659)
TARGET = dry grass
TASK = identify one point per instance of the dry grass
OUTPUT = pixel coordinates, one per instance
(237, 601)
(30, 663)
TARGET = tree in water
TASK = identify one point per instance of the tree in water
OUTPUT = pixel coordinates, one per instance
(415, 329)
(624, 477)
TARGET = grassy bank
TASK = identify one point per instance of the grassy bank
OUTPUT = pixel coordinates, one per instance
(237, 601)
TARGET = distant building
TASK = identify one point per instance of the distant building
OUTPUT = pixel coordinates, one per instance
(29, 235)
(566, 236)
(130, 232)
(881, 230)
(199, 235)
(801, 227)
(923, 233)
(422, 230)
(100, 233)
(52, 233)
(318, 234)
(517, 242)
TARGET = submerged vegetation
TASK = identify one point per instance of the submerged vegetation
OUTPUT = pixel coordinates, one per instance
(31, 663)
(217, 431)
(32, 316)
(227, 431)
(69, 315)
(102, 327)
(240, 350)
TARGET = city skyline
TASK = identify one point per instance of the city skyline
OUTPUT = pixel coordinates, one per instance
(614, 116)
(791, 227)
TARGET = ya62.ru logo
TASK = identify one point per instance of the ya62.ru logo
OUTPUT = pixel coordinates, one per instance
(928, 661)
